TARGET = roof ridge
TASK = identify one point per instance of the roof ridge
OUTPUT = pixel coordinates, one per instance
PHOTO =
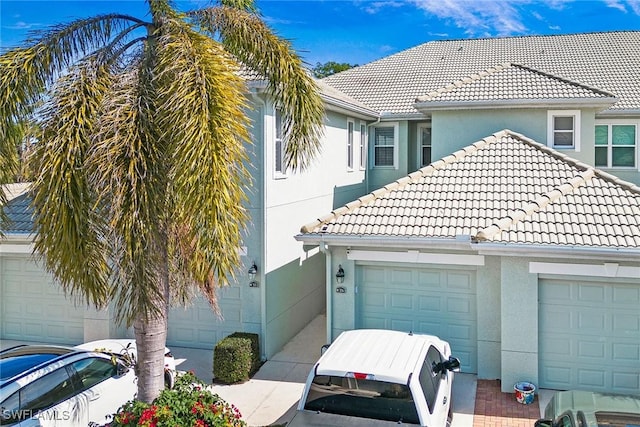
(532, 207)
(564, 80)
(401, 182)
(472, 78)
(585, 174)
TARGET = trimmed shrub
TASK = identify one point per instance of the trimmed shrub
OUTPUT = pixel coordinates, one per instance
(234, 358)
(255, 348)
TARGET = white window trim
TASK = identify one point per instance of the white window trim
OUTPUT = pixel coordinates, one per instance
(396, 135)
(419, 143)
(576, 128)
(350, 144)
(614, 122)
(277, 174)
(362, 147)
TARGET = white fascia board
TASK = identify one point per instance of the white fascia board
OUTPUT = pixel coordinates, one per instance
(607, 270)
(457, 243)
(566, 252)
(17, 244)
(414, 257)
(618, 113)
(345, 107)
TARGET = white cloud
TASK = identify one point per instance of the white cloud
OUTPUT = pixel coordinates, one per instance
(498, 17)
(616, 4)
(634, 5)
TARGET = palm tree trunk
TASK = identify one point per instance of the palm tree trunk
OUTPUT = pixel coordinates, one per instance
(151, 338)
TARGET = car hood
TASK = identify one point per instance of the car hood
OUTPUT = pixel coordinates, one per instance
(321, 419)
(591, 402)
(113, 345)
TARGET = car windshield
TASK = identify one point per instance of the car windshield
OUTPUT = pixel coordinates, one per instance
(617, 419)
(362, 398)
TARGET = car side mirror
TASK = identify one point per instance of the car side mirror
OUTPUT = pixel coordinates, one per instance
(453, 364)
(121, 369)
(544, 423)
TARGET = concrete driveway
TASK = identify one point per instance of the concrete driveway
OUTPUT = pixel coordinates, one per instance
(271, 396)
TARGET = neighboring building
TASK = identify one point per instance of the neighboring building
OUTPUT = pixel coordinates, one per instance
(520, 253)
(477, 247)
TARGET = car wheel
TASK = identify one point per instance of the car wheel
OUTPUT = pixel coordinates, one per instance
(168, 379)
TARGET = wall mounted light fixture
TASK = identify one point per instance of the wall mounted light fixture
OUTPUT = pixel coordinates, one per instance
(340, 275)
(253, 270)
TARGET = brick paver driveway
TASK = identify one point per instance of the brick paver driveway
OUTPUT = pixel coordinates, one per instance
(496, 409)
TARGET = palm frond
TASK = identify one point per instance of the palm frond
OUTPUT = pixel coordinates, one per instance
(252, 42)
(70, 232)
(202, 102)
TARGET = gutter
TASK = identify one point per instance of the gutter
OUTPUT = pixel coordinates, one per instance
(468, 244)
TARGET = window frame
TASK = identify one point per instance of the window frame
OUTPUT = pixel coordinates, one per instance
(551, 130)
(421, 145)
(394, 126)
(610, 146)
(351, 129)
(279, 164)
(363, 146)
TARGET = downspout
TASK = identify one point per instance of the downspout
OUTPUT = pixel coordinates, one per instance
(262, 144)
(325, 249)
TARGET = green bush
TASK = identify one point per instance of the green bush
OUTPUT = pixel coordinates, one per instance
(189, 403)
(236, 358)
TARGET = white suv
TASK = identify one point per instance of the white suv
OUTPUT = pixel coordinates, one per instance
(379, 377)
(61, 386)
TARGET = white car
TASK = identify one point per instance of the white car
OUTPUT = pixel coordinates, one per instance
(373, 377)
(128, 346)
(61, 386)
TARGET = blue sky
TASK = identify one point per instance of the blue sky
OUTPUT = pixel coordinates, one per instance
(360, 31)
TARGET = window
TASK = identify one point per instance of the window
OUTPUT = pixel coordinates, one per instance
(429, 380)
(350, 127)
(363, 146)
(384, 146)
(424, 141)
(365, 398)
(615, 146)
(279, 160)
(92, 371)
(564, 129)
(46, 392)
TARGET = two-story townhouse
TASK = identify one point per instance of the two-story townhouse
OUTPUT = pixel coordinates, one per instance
(504, 207)
(285, 289)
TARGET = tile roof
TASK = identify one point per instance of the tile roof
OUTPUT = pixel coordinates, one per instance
(505, 188)
(509, 82)
(19, 214)
(607, 61)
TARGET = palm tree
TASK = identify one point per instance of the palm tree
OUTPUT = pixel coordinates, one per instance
(143, 120)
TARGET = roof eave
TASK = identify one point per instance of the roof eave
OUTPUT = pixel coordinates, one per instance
(621, 112)
(552, 251)
(428, 106)
(344, 107)
(405, 242)
(482, 248)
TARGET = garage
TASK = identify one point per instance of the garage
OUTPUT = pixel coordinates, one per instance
(441, 302)
(33, 308)
(589, 335)
(197, 326)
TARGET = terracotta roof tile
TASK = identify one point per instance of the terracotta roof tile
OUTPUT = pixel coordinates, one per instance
(505, 188)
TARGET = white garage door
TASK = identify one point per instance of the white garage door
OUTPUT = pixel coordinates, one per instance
(433, 301)
(33, 308)
(589, 335)
(199, 327)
